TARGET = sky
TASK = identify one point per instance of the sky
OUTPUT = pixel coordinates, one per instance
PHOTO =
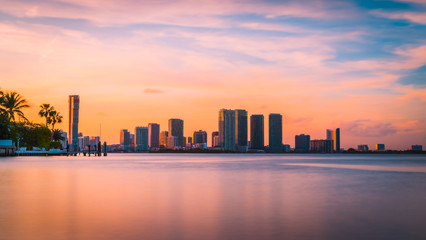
(351, 64)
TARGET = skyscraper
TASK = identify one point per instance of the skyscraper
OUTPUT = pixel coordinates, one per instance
(275, 132)
(125, 140)
(227, 129)
(302, 143)
(335, 136)
(141, 138)
(132, 142)
(214, 134)
(153, 135)
(241, 129)
(163, 138)
(173, 142)
(176, 130)
(257, 134)
(74, 105)
(200, 137)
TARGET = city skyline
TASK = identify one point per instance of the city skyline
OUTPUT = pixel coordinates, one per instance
(354, 65)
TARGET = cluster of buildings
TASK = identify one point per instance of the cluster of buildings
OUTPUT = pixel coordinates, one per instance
(232, 135)
(303, 143)
(151, 138)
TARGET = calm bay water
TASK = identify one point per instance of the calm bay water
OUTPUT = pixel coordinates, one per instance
(213, 196)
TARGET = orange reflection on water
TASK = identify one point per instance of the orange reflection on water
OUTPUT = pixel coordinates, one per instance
(144, 197)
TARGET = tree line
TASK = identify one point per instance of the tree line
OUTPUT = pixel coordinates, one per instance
(15, 126)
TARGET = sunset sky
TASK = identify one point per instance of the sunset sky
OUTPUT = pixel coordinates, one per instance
(357, 65)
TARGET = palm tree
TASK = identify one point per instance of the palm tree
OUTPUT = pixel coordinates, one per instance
(1, 102)
(54, 117)
(12, 104)
(57, 135)
(45, 111)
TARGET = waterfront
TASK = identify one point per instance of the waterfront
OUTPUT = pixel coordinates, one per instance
(213, 196)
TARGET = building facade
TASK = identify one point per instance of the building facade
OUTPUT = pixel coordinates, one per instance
(227, 129)
(241, 130)
(335, 136)
(286, 148)
(199, 137)
(215, 143)
(64, 142)
(176, 130)
(363, 148)
(322, 146)
(94, 142)
(275, 132)
(416, 148)
(141, 138)
(163, 138)
(173, 142)
(302, 143)
(73, 107)
(153, 135)
(257, 134)
(380, 147)
(125, 140)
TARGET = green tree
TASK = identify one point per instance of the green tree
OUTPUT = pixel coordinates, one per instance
(31, 135)
(2, 112)
(12, 104)
(57, 135)
(55, 117)
(4, 127)
(46, 111)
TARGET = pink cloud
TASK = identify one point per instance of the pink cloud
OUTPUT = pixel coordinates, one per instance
(181, 12)
(367, 128)
(416, 17)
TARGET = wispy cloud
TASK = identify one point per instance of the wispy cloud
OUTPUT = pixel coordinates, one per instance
(415, 17)
(152, 90)
(317, 63)
(368, 128)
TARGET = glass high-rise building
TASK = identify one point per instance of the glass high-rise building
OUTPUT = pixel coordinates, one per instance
(257, 135)
(176, 130)
(199, 137)
(241, 129)
(302, 143)
(141, 138)
(227, 129)
(153, 135)
(74, 106)
(275, 132)
(335, 136)
(125, 139)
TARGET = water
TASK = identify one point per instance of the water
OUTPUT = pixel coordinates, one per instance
(213, 196)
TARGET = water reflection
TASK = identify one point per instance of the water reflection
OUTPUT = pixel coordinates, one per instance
(225, 197)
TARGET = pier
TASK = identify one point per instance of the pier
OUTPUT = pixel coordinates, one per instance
(7, 148)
